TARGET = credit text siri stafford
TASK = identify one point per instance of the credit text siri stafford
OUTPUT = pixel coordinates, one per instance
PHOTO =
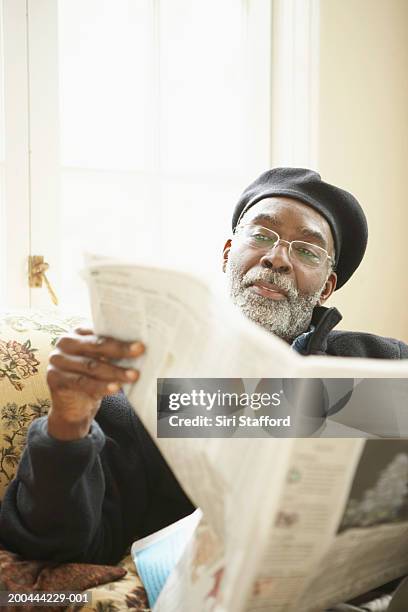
(228, 421)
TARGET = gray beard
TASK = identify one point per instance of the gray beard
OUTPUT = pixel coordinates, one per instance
(286, 318)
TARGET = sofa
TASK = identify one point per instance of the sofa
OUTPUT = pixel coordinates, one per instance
(26, 339)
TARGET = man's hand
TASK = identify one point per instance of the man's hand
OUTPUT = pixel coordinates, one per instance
(80, 375)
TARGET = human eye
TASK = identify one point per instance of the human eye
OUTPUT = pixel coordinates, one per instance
(308, 253)
(261, 235)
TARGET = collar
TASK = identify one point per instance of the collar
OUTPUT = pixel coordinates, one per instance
(315, 340)
(300, 342)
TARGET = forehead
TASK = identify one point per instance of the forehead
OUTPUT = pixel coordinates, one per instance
(291, 216)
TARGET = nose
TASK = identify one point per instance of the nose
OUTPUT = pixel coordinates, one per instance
(277, 258)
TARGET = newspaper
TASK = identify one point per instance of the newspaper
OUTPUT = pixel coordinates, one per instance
(156, 555)
(288, 524)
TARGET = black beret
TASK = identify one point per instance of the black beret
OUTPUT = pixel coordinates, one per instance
(340, 209)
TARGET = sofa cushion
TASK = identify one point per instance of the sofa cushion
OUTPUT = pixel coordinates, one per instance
(26, 339)
(125, 594)
(27, 577)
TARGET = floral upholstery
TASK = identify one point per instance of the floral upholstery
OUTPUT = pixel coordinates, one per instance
(26, 339)
(125, 594)
(17, 574)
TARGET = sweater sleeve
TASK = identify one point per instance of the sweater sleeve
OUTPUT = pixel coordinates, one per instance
(87, 500)
(53, 507)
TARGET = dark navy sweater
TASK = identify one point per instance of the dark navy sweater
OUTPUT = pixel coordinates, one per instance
(324, 341)
(89, 499)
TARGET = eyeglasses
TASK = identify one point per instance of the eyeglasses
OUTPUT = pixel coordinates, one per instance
(265, 239)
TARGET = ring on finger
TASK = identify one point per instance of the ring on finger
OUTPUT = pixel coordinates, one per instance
(92, 364)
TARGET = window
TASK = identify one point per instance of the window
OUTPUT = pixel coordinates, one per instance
(139, 123)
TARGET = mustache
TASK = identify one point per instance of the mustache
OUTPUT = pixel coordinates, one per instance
(269, 276)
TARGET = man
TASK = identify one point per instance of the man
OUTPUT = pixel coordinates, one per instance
(91, 480)
(297, 239)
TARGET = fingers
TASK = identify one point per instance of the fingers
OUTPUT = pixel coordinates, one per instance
(60, 381)
(90, 345)
(83, 331)
(80, 374)
(92, 368)
(80, 368)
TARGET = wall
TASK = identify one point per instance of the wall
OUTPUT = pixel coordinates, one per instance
(363, 147)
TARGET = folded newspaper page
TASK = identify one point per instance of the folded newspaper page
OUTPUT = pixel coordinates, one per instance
(288, 524)
(156, 555)
(340, 529)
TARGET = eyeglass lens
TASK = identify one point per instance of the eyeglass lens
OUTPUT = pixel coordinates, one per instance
(303, 252)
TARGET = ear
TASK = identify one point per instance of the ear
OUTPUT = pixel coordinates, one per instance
(225, 253)
(328, 288)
